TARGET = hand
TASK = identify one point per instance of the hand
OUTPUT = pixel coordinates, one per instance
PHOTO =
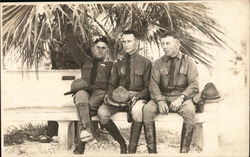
(176, 104)
(163, 107)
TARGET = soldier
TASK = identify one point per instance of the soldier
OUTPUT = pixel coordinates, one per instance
(132, 73)
(173, 83)
(95, 72)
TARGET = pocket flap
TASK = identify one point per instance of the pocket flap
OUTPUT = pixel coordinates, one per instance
(163, 71)
(138, 72)
(183, 70)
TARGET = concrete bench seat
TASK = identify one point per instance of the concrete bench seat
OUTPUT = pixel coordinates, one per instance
(205, 135)
(69, 114)
(28, 99)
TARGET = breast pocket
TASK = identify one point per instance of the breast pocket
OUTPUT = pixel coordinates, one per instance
(86, 70)
(182, 78)
(139, 77)
(164, 77)
(105, 71)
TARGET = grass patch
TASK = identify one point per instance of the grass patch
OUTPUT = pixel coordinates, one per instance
(27, 132)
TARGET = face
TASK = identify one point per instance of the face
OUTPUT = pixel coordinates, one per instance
(100, 50)
(170, 46)
(130, 43)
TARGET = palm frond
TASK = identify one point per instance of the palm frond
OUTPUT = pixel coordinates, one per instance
(27, 29)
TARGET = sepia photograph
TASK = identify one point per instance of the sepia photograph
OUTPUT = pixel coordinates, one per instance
(125, 78)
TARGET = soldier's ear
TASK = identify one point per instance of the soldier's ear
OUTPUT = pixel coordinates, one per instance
(178, 43)
(137, 42)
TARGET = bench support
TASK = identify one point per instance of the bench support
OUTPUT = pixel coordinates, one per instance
(210, 137)
(66, 134)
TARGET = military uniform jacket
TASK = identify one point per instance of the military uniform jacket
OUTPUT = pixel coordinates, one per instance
(86, 63)
(102, 74)
(140, 68)
(185, 78)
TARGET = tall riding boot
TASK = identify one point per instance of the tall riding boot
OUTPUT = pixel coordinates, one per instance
(115, 133)
(86, 127)
(134, 136)
(150, 135)
(186, 137)
(80, 148)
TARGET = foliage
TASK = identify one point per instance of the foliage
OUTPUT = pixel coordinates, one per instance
(32, 27)
(27, 132)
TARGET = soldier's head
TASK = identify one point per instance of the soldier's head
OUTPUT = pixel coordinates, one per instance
(170, 43)
(130, 41)
(100, 48)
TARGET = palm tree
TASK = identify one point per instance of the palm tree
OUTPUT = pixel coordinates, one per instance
(28, 28)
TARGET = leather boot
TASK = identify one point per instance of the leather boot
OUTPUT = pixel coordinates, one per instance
(80, 148)
(115, 133)
(134, 137)
(85, 124)
(186, 137)
(150, 136)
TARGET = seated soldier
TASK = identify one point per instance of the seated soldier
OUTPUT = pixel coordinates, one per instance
(95, 72)
(130, 73)
(173, 83)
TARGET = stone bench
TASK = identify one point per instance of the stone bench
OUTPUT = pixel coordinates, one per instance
(205, 134)
(24, 98)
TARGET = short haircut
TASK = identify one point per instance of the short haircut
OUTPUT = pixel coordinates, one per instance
(171, 34)
(131, 31)
(101, 39)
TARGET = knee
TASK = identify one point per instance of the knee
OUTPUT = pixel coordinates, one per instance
(137, 110)
(149, 112)
(81, 96)
(103, 115)
(188, 114)
(189, 108)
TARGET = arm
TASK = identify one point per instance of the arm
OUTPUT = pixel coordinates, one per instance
(154, 89)
(71, 45)
(192, 77)
(144, 94)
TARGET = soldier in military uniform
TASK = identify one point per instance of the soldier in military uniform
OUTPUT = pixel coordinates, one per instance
(95, 72)
(131, 72)
(173, 83)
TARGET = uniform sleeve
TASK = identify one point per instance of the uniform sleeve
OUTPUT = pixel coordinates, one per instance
(71, 45)
(154, 89)
(192, 78)
(113, 79)
(144, 94)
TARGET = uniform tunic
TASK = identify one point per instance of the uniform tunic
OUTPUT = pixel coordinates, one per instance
(94, 97)
(140, 68)
(185, 82)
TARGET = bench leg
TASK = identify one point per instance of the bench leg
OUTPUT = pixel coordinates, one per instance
(210, 137)
(66, 134)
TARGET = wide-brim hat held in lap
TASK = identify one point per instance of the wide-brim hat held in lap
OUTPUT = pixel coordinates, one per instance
(119, 97)
(77, 85)
(209, 94)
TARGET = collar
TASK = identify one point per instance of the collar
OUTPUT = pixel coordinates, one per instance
(97, 59)
(131, 55)
(166, 58)
(134, 54)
